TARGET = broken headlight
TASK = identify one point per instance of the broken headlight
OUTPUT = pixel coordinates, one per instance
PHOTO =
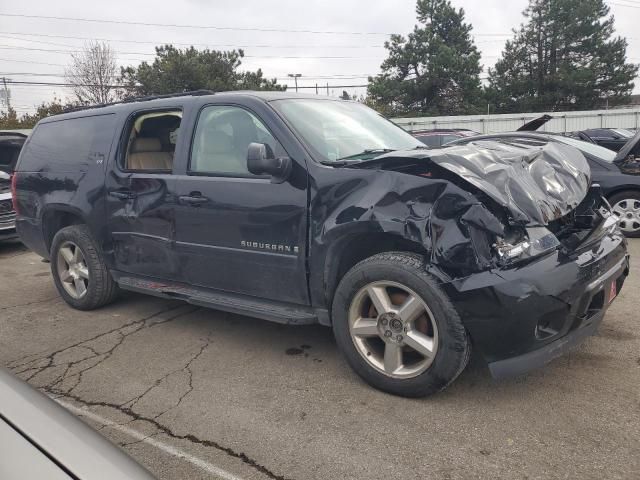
(535, 242)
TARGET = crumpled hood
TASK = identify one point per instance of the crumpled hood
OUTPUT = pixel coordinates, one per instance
(537, 184)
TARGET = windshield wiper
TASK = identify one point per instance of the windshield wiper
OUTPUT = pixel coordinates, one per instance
(339, 163)
(368, 151)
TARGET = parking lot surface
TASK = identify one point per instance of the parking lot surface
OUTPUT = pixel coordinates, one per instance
(194, 393)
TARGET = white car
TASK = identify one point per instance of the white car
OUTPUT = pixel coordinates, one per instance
(39, 439)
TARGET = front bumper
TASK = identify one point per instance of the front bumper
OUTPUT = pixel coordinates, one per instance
(521, 318)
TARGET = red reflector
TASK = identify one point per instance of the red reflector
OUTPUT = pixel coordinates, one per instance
(613, 291)
(14, 198)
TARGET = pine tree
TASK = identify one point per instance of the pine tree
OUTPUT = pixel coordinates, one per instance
(564, 57)
(435, 70)
(181, 70)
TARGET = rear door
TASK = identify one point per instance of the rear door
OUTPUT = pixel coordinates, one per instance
(140, 188)
(235, 231)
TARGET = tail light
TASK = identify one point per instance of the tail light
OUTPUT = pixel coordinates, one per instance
(14, 197)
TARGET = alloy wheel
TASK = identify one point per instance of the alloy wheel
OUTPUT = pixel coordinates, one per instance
(72, 269)
(628, 213)
(393, 329)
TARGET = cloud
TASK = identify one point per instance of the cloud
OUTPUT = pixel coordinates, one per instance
(364, 48)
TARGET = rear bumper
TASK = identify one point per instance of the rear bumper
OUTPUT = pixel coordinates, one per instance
(30, 233)
(521, 318)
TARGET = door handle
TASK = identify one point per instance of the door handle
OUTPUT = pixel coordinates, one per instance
(123, 194)
(193, 199)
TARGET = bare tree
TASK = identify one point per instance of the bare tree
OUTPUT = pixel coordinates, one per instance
(93, 74)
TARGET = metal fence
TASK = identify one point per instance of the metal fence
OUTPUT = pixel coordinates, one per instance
(562, 121)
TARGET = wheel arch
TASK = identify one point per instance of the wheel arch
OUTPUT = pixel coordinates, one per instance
(56, 217)
(621, 189)
(352, 249)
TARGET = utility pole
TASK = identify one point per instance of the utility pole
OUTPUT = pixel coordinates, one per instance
(295, 77)
(7, 95)
(316, 89)
(327, 89)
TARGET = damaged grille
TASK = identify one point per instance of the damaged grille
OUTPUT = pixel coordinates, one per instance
(582, 225)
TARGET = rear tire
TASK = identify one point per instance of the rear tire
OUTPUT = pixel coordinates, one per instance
(428, 343)
(626, 206)
(79, 271)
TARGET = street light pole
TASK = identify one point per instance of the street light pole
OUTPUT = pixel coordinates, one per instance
(295, 77)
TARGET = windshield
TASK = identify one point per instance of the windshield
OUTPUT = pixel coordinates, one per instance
(336, 130)
(590, 148)
(623, 132)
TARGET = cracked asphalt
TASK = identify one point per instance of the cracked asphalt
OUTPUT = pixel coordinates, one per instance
(266, 401)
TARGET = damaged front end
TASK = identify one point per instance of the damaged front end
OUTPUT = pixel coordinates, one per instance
(520, 204)
(526, 249)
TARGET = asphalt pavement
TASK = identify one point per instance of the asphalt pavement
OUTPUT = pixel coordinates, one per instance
(193, 393)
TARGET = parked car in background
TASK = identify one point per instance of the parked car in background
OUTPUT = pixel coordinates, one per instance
(41, 440)
(303, 209)
(618, 174)
(7, 214)
(437, 137)
(11, 142)
(611, 138)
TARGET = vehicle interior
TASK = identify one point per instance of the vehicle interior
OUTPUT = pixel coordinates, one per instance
(152, 141)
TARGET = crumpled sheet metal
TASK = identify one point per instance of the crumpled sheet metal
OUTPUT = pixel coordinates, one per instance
(536, 184)
(451, 223)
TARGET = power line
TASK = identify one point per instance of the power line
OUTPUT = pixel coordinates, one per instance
(215, 27)
(623, 5)
(158, 42)
(343, 76)
(164, 42)
(175, 25)
(323, 57)
(32, 62)
(60, 84)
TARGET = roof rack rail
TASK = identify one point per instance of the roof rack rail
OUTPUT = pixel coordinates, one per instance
(193, 93)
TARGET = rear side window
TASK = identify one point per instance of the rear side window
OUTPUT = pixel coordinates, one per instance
(151, 141)
(68, 144)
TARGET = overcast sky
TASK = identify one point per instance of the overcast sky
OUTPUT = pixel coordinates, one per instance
(348, 57)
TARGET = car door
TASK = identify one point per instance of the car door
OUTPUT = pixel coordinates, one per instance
(236, 231)
(140, 195)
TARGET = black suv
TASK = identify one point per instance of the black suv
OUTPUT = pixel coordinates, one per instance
(304, 209)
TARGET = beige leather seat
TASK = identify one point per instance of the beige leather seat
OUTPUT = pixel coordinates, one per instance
(216, 153)
(147, 154)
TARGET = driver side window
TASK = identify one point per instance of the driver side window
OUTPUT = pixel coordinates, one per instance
(222, 138)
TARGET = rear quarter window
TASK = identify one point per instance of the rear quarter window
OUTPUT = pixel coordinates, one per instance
(68, 144)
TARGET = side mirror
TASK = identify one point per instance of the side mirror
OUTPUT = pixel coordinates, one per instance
(262, 161)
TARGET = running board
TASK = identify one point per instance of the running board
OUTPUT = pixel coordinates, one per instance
(228, 302)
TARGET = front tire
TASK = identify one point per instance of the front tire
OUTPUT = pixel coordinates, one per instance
(396, 328)
(79, 271)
